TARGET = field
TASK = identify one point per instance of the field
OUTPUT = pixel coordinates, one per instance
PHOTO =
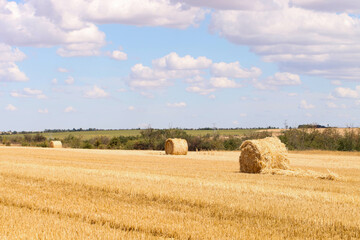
(105, 194)
(133, 132)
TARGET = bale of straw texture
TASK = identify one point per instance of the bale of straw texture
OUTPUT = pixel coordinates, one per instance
(55, 144)
(266, 153)
(176, 146)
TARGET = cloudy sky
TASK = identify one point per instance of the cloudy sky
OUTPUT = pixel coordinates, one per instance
(178, 63)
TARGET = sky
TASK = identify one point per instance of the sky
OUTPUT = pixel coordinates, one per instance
(117, 64)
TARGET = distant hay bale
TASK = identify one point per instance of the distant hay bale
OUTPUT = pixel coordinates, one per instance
(55, 144)
(267, 153)
(176, 146)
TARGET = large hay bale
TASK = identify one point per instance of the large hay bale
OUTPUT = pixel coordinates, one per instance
(55, 144)
(267, 153)
(176, 146)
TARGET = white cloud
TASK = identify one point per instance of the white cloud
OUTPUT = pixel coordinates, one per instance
(146, 77)
(349, 6)
(212, 96)
(347, 92)
(284, 79)
(331, 105)
(234, 70)
(96, 92)
(121, 90)
(118, 55)
(70, 80)
(199, 90)
(305, 105)
(223, 82)
(131, 108)
(192, 70)
(255, 5)
(54, 81)
(164, 13)
(69, 109)
(34, 23)
(278, 80)
(292, 94)
(302, 41)
(235, 122)
(147, 94)
(10, 108)
(173, 61)
(336, 82)
(28, 93)
(176, 105)
(9, 54)
(243, 115)
(43, 111)
(63, 70)
(73, 26)
(9, 71)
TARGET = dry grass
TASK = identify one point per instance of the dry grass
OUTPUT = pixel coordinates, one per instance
(95, 194)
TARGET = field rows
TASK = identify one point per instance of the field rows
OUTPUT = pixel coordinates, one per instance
(94, 194)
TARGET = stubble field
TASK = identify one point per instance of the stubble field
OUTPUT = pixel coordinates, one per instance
(105, 194)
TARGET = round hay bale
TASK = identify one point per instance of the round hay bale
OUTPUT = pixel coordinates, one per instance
(266, 153)
(176, 146)
(55, 144)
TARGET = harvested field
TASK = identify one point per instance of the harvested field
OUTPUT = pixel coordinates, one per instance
(105, 194)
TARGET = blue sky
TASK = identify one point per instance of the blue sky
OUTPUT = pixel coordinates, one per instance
(128, 64)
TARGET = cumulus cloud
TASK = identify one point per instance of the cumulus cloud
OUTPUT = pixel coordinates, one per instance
(9, 71)
(176, 105)
(70, 80)
(69, 109)
(173, 61)
(145, 77)
(54, 81)
(223, 82)
(284, 79)
(347, 92)
(193, 71)
(43, 111)
(331, 105)
(300, 40)
(305, 105)
(63, 70)
(278, 80)
(34, 23)
(10, 108)
(234, 70)
(73, 26)
(256, 5)
(131, 108)
(200, 90)
(29, 93)
(96, 92)
(336, 82)
(349, 6)
(118, 55)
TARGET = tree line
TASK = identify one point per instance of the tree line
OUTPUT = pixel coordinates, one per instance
(154, 139)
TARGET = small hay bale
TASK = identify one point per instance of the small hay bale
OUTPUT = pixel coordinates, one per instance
(267, 153)
(55, 144)
(176, 146)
